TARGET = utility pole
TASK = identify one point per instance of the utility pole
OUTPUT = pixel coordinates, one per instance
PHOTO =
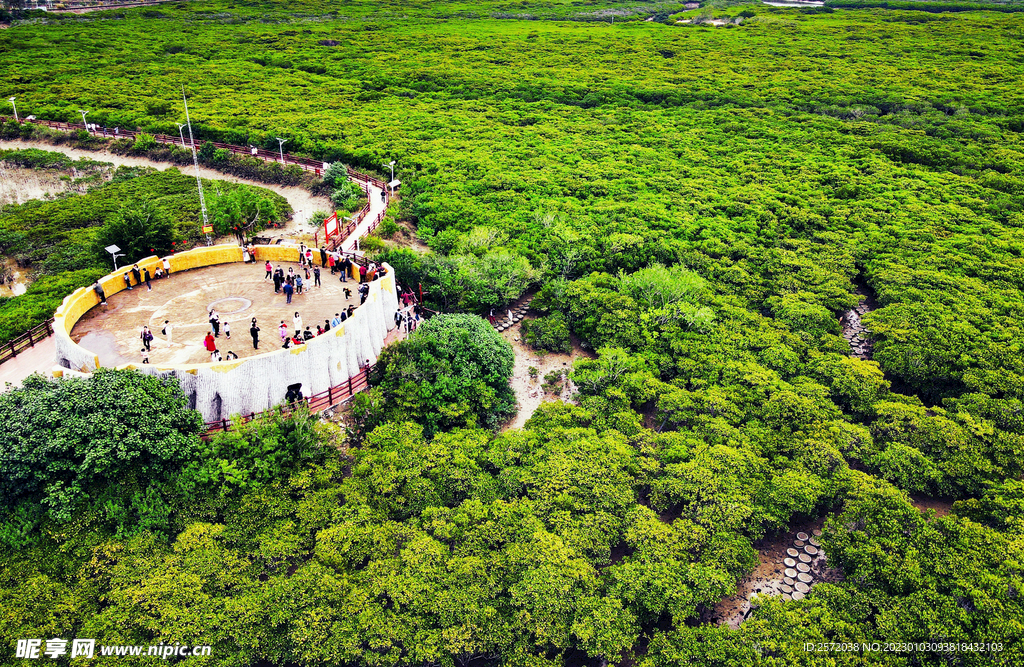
(11, 100)
(195, 161)
(83, 119)
(181, 125)
(280, 145)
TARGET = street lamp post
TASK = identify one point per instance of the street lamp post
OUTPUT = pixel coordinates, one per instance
(83, 119)
(180, 134)
(11, 100)
(392, 166)
(280, 145)
(116, 252)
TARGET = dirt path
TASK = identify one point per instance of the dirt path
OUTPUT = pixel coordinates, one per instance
(529, 393)
(303, 203)
(107, 8)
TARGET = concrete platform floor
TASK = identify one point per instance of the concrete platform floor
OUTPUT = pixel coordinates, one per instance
(237, 291)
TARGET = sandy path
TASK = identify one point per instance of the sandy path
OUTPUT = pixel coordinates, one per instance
(529, 394)
(302, 201)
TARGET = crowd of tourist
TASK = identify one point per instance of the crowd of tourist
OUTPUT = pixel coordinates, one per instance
(290, 282)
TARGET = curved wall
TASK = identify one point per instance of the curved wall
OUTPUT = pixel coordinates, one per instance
(253, 384)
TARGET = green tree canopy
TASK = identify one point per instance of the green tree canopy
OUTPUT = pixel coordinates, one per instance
(139, 229)
(66, 441)
(453, 371)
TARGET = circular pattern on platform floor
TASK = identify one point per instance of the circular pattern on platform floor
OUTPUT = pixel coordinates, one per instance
(816, 532)
(802, 587)
(814, 541)
(224, 306)
(786, 588)
(799, 544)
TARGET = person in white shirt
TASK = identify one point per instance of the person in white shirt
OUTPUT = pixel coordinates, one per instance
(297, 322)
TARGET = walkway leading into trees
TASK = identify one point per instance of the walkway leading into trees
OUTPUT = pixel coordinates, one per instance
(303, 202)
(38, 359)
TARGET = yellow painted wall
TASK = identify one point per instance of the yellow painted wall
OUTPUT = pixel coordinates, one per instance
(207, 256)
(82, 300)
(276, 253)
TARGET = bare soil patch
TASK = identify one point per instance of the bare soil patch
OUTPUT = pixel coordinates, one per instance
(529, 393)
(942, 506)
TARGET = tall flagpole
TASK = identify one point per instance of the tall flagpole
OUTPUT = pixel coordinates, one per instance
(195, 161)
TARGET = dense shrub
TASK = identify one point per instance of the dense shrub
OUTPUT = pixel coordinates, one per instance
(453, 371)
(70, 443)
(547, 333)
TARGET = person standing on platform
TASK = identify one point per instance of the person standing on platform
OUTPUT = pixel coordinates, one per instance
(316, 276)
(323, 256)
(127, 280)
(209, 343)
(297, 322)
(167, 331)
(288, 290)
(145, 277)
(270, 270)
(136, 274)
(254, 331)
(147, 338)
(100, 293)
(330, 263)
(167, 267)
(215, 323)
(283, 330)
(227, 329)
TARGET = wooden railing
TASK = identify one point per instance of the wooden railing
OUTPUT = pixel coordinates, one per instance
(316, 403)
(26, 340)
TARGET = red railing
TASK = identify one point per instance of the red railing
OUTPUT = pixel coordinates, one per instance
(325, 399)
(26, 340)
